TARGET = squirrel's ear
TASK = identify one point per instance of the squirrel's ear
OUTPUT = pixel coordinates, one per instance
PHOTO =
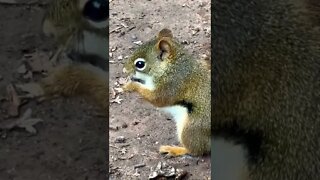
(165, 48)
(164, 45)
(165, 33)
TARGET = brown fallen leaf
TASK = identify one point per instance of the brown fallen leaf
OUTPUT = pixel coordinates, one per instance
(14, 101)
(116, 100)
(118, 90)
(25, 121)
(39, 61)
(22, 69)
(113, 92)
(122, 80)
(33, 89)
(28, 75)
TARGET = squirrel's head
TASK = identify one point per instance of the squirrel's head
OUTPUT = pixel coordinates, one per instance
(153, 60)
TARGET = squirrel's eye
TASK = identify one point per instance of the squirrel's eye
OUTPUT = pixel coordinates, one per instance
(140, 64)
(96, 10)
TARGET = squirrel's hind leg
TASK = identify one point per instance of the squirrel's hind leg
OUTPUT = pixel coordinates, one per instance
(173, 150)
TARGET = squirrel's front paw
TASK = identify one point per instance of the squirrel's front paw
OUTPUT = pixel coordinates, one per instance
(128, 87)
(173, 150)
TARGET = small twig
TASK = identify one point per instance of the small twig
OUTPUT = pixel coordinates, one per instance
(124, 145)
(116, 29)
(125, 158)
(114, 146)
(139, 165)
(122, 158)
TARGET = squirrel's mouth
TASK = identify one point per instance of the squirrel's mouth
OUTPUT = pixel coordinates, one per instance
(144, 79)
(137, 80)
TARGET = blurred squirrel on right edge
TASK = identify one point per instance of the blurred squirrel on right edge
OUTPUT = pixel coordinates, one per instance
(266, 80)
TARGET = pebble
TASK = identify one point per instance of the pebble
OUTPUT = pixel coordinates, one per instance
(124, 125)
(120, 139)
(134, 37)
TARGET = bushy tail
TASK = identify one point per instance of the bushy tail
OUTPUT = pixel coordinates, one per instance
(79, 79)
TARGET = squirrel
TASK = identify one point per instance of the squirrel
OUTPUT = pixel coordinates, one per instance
(170, 79)
(266, 86)
(78, 26)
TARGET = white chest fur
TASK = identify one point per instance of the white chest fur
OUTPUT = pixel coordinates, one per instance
(93, 44)
(179, 114)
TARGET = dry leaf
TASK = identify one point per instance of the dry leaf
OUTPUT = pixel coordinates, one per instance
(22, 69)
(33, 89)
(28, 75)
(113, 92)
(39, 61)
(122, 81)
(118, 90)
(25, 122)
(15, 102)
(117, 100)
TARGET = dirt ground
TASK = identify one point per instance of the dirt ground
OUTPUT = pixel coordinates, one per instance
(67, 145)
(136, 128)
